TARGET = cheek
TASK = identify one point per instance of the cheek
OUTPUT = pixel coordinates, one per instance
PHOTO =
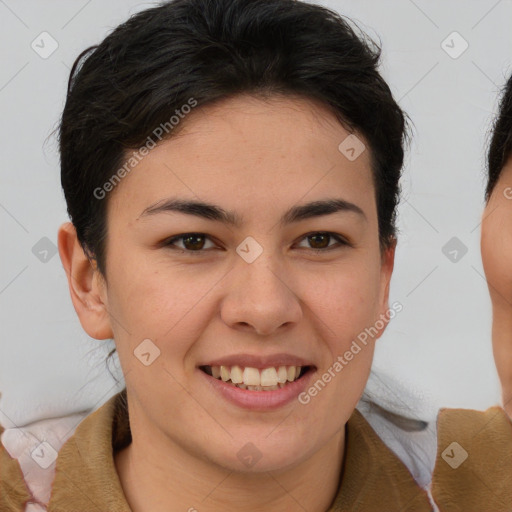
(154, 304)
(146, 300)
(496, 245)
(346, 302)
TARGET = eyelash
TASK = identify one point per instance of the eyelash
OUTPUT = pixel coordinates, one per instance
(341, 242)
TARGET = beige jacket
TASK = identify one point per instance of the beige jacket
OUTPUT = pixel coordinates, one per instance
(473, 469)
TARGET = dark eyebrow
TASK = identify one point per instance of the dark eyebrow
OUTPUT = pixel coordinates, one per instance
(216, 213)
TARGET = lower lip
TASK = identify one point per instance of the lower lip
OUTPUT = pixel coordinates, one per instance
(260, 400)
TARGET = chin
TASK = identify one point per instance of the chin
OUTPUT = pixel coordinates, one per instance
(258, 456)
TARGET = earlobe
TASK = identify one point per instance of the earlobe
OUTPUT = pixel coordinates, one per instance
(86, 285)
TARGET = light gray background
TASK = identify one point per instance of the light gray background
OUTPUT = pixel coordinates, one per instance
(439, 345)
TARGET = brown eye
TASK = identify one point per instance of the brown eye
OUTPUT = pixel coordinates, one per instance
(192, 242)
(319, 241)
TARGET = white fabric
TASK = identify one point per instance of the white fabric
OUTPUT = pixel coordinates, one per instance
(37, 460)
(405, 420)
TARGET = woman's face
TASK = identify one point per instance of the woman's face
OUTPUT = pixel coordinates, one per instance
(496, 245)
(262, 293)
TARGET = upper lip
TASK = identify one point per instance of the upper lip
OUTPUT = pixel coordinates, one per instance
(260, 362)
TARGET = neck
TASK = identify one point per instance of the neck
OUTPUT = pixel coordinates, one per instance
(171, 479)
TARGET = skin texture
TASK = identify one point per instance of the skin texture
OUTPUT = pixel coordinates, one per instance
(496, 246)
(257, 158)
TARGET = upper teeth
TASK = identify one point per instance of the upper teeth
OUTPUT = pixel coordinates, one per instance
(254, 377)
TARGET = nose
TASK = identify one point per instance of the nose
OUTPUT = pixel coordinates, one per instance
(261, 298)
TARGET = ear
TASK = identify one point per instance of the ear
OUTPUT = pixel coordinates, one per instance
(386, 271)
(87, 286)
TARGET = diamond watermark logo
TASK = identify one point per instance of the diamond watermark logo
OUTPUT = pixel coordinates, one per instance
(352, 147)
(146, 352)
(454, 455)
(454, 45)
(249, 249)
(454, 250)
(44, 45)
(44, 455)
(44, 250)
(249, 455)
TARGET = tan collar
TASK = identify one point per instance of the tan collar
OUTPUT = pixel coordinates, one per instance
(86, 477)
(374, 478)
(85, 474)
(474, 460)
(13, 491)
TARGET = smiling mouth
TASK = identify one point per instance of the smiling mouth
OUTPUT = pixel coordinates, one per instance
(254, 379)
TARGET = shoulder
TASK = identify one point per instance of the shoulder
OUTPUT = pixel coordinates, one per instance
(474, 460)
(27, 460)
(404, 418)
(462, 457)
(13, 491)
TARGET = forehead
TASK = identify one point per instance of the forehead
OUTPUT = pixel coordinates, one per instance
(246, 150)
